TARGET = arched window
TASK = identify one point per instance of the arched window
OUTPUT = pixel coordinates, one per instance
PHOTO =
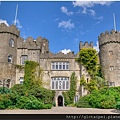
(9, 58)
(11, 43)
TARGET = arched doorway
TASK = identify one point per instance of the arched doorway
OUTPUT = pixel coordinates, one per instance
(60, 100)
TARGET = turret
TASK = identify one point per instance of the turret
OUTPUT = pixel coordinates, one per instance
(8, 51)
(109, 54)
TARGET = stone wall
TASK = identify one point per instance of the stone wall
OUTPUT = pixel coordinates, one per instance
(109, 44)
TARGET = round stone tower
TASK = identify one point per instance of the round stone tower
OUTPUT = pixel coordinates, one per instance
(109, 45)
(8, 52)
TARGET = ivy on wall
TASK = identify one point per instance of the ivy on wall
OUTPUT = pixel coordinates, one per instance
(69, 95)
(88, 57)
(30, 73)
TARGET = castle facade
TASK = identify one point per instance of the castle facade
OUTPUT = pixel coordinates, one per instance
(58, 68)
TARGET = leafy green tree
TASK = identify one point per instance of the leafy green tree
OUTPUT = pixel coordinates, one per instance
(88, 57)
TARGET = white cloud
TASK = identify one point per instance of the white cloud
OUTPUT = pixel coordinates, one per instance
(17, 23)
(65, 51)
(65, 10)
(89, 4)
(66, 24)
(96, 47)
(84, 10)
(92, 12)
(4, 21)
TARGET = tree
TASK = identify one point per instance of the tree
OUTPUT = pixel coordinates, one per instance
(88, 57)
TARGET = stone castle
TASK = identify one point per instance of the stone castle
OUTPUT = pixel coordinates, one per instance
(58, 68)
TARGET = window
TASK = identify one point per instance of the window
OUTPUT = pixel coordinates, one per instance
(11, 43)
(21, 80)
(110, 52)
(112, 84)
(23, 59)
(60, 83)
(111, 68)
(87, 80)
(76, 98)
(60, 65)
(9, 58)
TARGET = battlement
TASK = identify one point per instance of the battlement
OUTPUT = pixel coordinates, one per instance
(59, 55)
(85, 45)
(9, 29)
(109, 37)
(40, 43)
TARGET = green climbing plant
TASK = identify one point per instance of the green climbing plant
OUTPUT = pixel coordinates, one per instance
(69, 95)
(89, 59)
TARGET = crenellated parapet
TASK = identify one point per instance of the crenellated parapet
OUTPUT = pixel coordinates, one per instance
(59, 55)
(85, 45)
(40, 43)
(109, 37)
(9, 29)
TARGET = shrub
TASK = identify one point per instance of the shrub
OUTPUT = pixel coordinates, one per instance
(29, 103)
(108, 103)
(83, 102)
(47, 106)
(5, 101)
(118, 105)
(54, 104)
(12, 107)
(14, 97)
(19, 89)
(6, 90)
(42, 94)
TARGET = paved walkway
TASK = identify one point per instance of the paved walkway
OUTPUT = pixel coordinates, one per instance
(63, 110)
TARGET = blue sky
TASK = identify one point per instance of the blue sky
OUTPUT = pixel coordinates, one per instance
(64, 24)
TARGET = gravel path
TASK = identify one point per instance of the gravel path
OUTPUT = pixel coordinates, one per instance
(63, 110)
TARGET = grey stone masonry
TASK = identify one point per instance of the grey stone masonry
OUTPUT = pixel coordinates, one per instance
(109, 45)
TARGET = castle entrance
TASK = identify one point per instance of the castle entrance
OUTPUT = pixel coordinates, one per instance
(60, 100)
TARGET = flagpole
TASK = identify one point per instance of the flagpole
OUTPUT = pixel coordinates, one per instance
(16, 15)
(114, 21)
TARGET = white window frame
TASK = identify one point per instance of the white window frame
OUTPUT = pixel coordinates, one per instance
(58, 83)
(59, 66)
